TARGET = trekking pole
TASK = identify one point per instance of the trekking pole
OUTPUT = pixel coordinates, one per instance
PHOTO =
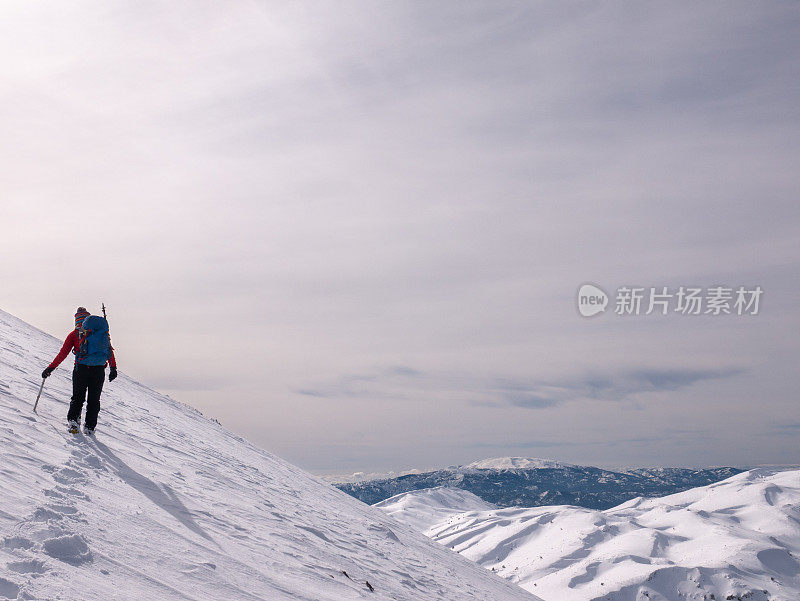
(38, 395)
(104, 311)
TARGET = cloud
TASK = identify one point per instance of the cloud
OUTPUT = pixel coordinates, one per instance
(285, 194)
(527, 444)
(788, 429)
(406, 383)
(616, 386)
(529, 401)
(381, 383)
(621, 441)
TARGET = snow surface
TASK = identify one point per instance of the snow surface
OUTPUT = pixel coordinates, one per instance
(736, 539)
(424, 508)
(516, 463)
(165, 504)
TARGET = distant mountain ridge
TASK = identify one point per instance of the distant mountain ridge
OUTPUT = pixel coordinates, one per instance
(517, 463)
(553, 483)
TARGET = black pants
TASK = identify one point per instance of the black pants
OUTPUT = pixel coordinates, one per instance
(86, 378)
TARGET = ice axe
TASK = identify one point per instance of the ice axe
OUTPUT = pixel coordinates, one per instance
(37, 396)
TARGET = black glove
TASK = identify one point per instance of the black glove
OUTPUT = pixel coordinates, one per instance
(112, 373)
(47, 371)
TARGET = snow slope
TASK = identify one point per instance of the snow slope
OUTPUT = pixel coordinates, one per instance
(424, 508)
(736, 539)
(166, 504)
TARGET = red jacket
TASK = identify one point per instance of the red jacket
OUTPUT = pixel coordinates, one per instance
(72, 343)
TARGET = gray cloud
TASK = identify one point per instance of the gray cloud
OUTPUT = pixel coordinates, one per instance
(405, 383)
(371, 384)
(529, 401)
(790, 429)
(628, 383)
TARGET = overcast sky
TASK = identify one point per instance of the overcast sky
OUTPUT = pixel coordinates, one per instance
(353, 232)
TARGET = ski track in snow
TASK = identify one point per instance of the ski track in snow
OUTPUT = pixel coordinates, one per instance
(165, 504)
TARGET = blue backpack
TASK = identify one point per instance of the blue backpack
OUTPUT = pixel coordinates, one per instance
(95, 341)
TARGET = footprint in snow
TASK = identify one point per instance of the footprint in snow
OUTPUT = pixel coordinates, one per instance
(8, 589)
(63, 509)
(71, 549)
(69, 491)
(43, 514)
(67, 476)
(29, 566)
(18, 542)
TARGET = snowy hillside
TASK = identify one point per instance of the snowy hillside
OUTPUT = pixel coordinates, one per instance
(737, 539)
(165, 504)
(424, 508)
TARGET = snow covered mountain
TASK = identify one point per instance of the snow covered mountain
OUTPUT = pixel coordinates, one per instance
(737, 539)
(424, 508)
(527, 482)
(517, 463)
(166, 504)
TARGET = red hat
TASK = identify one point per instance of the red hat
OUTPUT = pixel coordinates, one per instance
(80, 315)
